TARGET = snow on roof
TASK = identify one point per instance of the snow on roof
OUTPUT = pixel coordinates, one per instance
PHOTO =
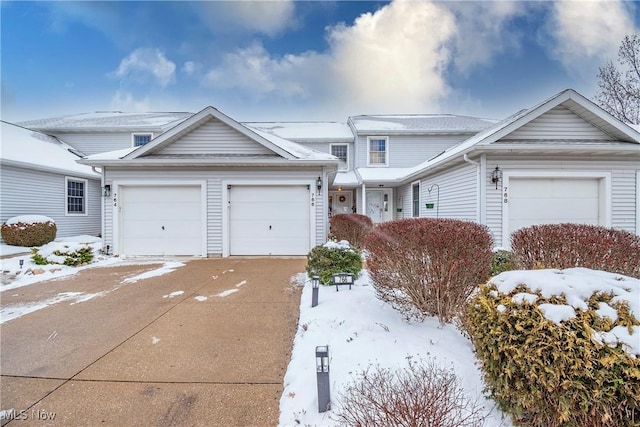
(346, 179)
(436, 123)
(305, 131)
(29, 147)
(109, 120)
(111, 155)
(299, 151)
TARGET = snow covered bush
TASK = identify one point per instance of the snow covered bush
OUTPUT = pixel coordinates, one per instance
(560, 347)
(29, 230)
(351, 227)
(420, 395)
(331, 258)
(428, 267)
(577, 245)
(71, 254)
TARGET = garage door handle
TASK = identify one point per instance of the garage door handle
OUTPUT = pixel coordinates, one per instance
(163, 227)
(269, 227)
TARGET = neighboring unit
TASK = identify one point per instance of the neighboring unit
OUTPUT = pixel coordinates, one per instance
(39, 175)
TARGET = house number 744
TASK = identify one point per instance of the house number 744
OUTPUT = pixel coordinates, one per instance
(505, 195)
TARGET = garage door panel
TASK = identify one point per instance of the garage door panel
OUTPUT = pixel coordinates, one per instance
(161, 220)
(537, 201)
(269, 220)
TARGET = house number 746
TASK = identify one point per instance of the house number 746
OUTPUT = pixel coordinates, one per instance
(505, 195)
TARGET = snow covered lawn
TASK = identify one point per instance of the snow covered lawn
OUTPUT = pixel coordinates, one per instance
(360, 330)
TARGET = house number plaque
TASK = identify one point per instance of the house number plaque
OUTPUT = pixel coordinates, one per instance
(505, 195)
(115, 199)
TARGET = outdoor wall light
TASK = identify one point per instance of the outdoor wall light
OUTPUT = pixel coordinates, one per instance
(319, 183)
(496, 176)
(106, 191)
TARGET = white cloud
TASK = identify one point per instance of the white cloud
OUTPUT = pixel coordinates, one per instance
(190, 67)
(586, 34)
(125, 101)
(392, 60)
(259, 17)
(143, 62)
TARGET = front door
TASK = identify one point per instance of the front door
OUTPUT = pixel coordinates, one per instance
(375, 206)
(340, 202)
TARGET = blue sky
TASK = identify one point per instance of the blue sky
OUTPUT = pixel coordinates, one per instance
(313, 60)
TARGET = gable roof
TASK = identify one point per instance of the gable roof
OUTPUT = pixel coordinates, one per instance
(108, 121)
(35, 150)
(284, 150)
(419, 123)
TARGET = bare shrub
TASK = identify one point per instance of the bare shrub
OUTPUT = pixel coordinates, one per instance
(422, 394)
(428, 267)
(18, 233)
(351, 227)
(577, 245)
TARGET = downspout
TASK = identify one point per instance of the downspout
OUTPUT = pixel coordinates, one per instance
(103, 206)
(364, 199)
(479, 211)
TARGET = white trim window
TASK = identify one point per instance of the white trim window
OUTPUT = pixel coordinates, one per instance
(139, 139)
(76, 196)
(341, 151)
(378, 151)
(415, 200)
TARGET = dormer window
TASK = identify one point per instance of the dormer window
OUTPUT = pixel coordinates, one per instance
(378, 154)
(341, 151)
(141, 138)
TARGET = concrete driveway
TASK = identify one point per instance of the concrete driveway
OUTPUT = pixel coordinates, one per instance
(145, 354)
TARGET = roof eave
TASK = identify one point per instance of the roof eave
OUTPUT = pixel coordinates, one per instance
(206, 162)
(43, 168)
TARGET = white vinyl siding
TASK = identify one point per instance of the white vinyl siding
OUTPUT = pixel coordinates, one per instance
(453, 192)
(46, 195)
(94, 143)
(214, 178)
(559, 123)
(215, 137)
(409, 150)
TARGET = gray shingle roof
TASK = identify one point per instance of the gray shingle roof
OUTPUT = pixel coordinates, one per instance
(436, 123)
(109, 120)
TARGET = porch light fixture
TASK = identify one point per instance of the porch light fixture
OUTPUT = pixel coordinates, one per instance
(106, 191)
(496, 176)
(319, 183)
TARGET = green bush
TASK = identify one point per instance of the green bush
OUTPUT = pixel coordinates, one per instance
(74, 255)
(501, 261)
(573, 371)
(331, 258)
(18, 233)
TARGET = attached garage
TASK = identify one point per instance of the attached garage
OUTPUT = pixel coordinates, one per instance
(269, 219)
(553, 200)
(160, 220)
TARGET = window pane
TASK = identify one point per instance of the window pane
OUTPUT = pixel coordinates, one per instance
(416, 200)
(340, 151)
(75, 197)
(141, 139)
(378, 151)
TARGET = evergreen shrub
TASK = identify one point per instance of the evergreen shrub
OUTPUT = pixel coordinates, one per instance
(564, 372)
(332, 258)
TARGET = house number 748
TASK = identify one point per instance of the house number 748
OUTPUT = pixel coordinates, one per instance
(505, 195)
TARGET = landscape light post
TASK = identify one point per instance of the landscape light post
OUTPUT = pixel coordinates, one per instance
(322, 373)
(315, 288)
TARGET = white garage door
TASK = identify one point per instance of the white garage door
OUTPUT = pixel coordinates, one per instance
(269, 220)
(160, 220)
(534, 201)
